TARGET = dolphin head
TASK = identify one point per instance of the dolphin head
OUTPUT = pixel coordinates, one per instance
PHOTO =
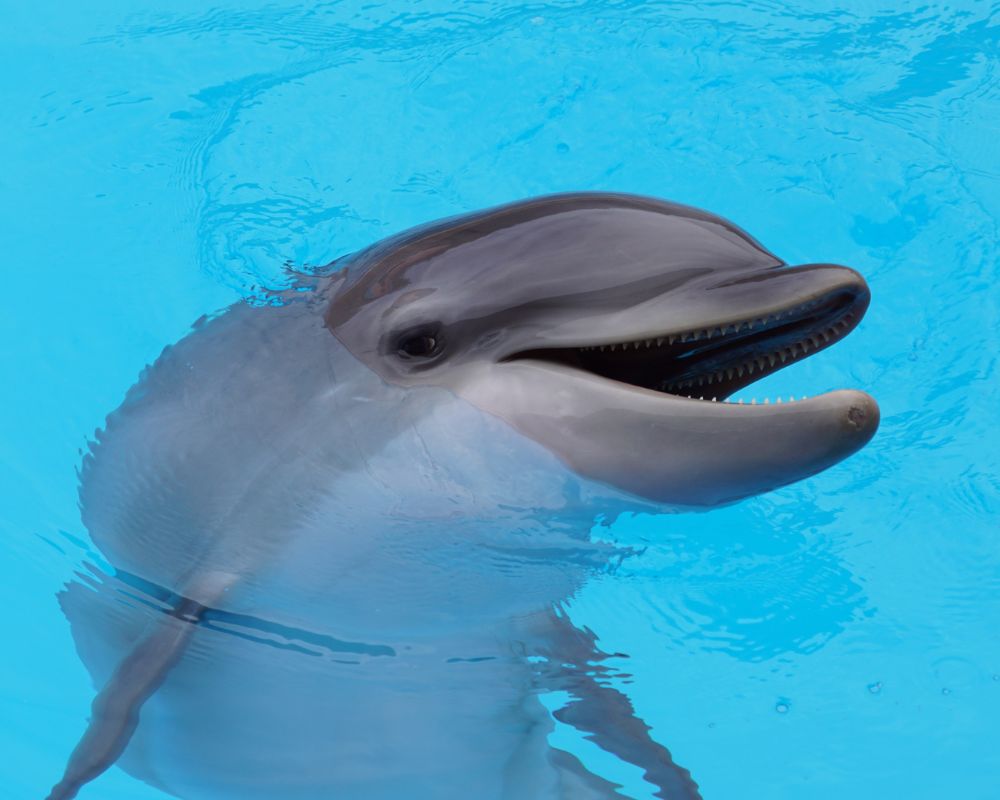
(613, 330)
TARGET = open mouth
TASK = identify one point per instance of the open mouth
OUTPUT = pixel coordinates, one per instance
(712, 363)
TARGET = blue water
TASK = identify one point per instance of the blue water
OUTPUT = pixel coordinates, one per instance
(838, 638)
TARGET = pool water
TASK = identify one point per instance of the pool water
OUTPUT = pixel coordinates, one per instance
(837, 638)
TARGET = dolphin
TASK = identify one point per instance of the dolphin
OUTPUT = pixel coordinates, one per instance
(338, 525)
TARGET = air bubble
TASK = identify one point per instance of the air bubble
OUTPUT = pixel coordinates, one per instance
(783, 706)
(875, 688)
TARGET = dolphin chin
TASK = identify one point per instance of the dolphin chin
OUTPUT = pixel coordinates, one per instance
(674, 450)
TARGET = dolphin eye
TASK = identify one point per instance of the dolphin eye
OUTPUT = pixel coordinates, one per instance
(424, 342)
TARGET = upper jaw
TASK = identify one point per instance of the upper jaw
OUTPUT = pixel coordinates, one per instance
(748, 327)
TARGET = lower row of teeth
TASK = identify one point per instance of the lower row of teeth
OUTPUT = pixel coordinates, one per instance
(753, 402)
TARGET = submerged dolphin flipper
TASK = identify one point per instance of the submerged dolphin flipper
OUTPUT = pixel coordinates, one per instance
(115, 710)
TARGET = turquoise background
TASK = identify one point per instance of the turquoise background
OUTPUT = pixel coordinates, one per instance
(838, 638)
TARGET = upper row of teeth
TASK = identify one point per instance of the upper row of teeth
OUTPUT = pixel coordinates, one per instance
(693, 336)
(762, 363)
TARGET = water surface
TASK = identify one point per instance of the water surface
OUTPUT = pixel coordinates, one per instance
(836, 638)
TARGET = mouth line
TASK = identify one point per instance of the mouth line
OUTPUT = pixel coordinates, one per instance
(712, 363)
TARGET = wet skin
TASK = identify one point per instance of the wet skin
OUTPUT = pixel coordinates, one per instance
(342, 524)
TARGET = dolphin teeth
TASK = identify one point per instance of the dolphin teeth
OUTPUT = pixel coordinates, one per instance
(659, 341)
(753, 402)
(771, 359)
(791, 398)
(767, 401)
(729, 373)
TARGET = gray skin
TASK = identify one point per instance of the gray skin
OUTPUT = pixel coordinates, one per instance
(342, 524)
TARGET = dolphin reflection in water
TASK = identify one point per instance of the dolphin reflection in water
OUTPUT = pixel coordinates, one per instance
(341, 524)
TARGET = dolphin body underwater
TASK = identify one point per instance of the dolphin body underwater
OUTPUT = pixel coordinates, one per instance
(341, 524)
